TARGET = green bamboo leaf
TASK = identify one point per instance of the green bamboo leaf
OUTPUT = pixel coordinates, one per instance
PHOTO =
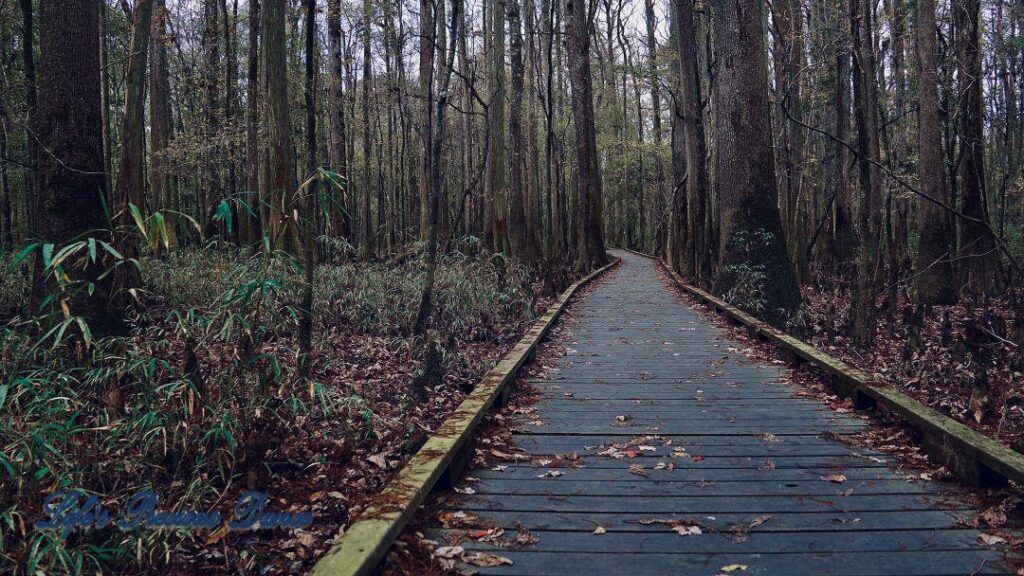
(139, 221)
(25, 252)
(86, 333)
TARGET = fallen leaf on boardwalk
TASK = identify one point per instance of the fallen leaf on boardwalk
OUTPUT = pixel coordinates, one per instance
(550, 474)
(449, 552)
(500, 468)
(647, 448)
(466, 490)
(637, 469)
(834, 478)
(769, 437)
(698, 458)
(758, 521)
(992, 539)
(994, 516)
(686, 530)
(599, 530)
(734, 567)
(486, 560)
(622, 418)
(378, 460)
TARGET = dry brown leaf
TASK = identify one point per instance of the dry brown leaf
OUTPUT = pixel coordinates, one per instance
(486, 560)
(834, 478)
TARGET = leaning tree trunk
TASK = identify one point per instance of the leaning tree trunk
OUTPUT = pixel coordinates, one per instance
(751, 245)
(934, 282)
(591, 250)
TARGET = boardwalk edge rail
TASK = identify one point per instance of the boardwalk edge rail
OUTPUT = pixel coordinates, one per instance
(974, 457)
(364, 544)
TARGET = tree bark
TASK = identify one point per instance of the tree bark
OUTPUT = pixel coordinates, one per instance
(159, 110)
(70, 175)
(278, 184)
(695, 261)
(751, 228)
(934, 283)
(341, 221)
(496, 189)
(520, 244)
(980, 260)
(591, 250)
(865, 107)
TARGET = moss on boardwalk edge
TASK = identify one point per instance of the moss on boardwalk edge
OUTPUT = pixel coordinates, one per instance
(969, 454)
(362, 546)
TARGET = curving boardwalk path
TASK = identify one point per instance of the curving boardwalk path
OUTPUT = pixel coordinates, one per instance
(640, 363)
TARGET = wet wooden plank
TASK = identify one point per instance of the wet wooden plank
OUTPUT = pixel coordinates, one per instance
(866, 563)
(752, 448)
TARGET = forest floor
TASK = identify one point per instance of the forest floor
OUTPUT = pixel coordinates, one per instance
(212, 407)
(939, 356)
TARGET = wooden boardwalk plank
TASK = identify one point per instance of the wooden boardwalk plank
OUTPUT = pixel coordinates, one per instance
(642, 370)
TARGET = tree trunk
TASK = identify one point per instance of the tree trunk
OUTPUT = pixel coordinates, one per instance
(70, 176)
(751, 245)
(934, 283)
(252, 152)
(278, 183)
(341, 221)
(977, 245)
(695, 262)
(591, 251)
(366, 249)
(659, 223)
(520, 244)
(869, 216)
(159, 109)
(131, 178)
(497, 167)
(310, 203)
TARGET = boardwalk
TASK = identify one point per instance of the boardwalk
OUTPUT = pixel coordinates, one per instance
(730, 452)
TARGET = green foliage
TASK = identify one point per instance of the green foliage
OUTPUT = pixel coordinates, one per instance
(747, 279)
(204, 384)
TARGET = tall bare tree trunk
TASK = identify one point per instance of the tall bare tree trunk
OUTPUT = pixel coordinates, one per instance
(310, 201)
(519, 240)
(696, 261)
(131, 177)
(497, 167)
(980, 260)
(159, 109)
(751, 228)
(658, 221)
(366, 248)
(934, 283)
(252, 228)
(865, 107)
(70, 176)
(591, 251)
(278, 184)
(336, 105)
